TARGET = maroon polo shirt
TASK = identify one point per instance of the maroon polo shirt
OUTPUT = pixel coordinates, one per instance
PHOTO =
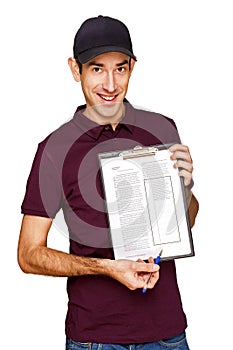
(65, 175)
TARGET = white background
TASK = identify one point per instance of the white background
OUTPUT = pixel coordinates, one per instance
(184, 71)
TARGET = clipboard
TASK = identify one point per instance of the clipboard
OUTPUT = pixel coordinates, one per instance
(146, 204)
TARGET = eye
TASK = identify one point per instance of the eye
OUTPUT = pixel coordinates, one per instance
(121, 69)
(97, 69)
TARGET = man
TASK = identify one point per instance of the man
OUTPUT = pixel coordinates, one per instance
(106, 304)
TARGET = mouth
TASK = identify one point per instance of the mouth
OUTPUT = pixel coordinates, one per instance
(107, 98)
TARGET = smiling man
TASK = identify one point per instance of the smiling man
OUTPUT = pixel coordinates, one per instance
(104, 81)
(106, 309)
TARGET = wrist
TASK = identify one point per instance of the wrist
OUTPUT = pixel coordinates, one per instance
(190, 186)
(106, 267)
(188, 191)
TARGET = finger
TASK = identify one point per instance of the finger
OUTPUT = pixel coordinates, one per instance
(147, 268)
(141, 261)
(181, 155)
(154, 279)
(151, 260)
(187, 176)
(184, 165)
(179, 147)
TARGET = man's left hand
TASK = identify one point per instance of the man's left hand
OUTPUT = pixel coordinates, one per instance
(184, 162)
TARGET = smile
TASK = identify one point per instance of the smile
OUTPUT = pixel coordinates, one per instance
(107, 98)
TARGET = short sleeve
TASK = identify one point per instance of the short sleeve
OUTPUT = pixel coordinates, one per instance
(43, 195)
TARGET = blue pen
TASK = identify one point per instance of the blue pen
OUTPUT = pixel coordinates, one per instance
(157, 260)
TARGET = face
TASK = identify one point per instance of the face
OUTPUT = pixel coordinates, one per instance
(104, 81)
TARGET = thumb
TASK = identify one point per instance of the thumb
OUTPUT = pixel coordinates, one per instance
(147, 267)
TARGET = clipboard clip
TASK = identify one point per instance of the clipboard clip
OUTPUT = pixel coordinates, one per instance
(139, 151)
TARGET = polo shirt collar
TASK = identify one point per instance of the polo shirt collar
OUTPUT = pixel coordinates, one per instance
(94, 130)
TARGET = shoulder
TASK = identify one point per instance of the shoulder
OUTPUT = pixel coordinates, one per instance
(58, 141)
(162, 127)
(154, 117)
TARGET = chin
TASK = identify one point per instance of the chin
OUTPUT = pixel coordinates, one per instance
(109, 109)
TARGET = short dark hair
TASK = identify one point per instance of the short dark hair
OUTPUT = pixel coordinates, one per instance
(80, 66)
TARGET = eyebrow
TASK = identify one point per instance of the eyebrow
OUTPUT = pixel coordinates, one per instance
(122, 63)
(93, 63)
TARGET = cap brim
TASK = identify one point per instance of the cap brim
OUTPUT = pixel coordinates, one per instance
(96, 51)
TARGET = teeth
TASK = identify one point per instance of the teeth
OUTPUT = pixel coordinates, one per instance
(108, 98)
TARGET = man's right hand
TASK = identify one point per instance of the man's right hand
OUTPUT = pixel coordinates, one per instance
(134, 274)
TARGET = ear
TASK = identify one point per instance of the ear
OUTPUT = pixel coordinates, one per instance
(132, 63)
(74, 69)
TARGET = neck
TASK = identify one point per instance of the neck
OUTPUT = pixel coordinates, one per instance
(103, 116)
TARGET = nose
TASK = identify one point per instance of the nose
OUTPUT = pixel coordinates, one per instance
(109, 83)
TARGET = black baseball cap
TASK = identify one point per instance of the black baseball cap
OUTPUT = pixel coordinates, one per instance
(99, 35)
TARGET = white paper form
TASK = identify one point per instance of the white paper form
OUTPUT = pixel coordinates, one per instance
(146, 204)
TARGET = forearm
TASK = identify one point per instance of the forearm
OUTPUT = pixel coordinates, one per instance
(35, 257)
(46, 261)
(193, 207)
(50, 262)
